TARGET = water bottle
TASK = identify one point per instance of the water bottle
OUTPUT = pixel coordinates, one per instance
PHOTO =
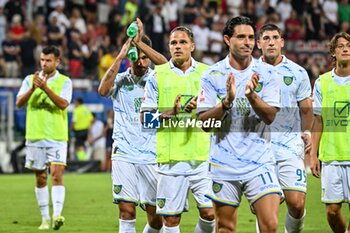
(132, 30)
(132, 54)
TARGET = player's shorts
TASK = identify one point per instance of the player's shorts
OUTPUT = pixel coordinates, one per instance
(135, 183)
(80, 137)
(230, 192)
(172, 193)
(291, 174)
(335, 181)
(37, 158)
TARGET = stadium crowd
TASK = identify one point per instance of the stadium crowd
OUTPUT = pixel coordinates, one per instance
(90, 32)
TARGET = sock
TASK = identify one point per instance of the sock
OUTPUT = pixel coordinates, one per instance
(171, 229)
(205, 226)
(149, 229)
(42, 196)
(293, 225)
(257, 226)
(127, 226)
(57, 196)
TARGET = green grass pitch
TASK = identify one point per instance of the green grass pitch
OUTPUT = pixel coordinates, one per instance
(88, 207)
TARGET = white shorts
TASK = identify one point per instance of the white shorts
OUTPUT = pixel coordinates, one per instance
(230, 192)
(335, 184)
(136, 183)
(172, 193)
(291, 174)
(37, 158)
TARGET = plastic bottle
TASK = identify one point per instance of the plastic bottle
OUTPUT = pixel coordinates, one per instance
(132, 30)
(132, 54)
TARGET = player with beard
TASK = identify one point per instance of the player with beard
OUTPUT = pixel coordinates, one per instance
(47, 94)
(133, 155)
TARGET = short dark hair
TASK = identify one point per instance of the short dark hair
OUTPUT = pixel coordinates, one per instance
(79, 100)
(145, 39)
(51, 50)
(184, 29)
(269, 27)
(233, 22)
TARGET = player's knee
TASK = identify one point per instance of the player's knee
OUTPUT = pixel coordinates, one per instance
(171, 221)
(207, 214)
(226, 229)
(127, 211)
(56, 179)
(297, 209)
(271, 225)
(41, 179)
(156, 222)
(333, 211)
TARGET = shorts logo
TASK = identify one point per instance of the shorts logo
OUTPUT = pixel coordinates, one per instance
(117, 189)
(288, 80)
(160, 202)
(341, 109)
(216, 187)
(259, 87)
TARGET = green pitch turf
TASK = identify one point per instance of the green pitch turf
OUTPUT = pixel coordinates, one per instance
(89, 209)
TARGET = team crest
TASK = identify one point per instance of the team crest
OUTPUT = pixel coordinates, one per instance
(161, 202)
(216, 187)
(117, 189)
(259, 87)
(288, 80)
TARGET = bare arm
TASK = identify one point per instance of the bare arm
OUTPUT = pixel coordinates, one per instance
(220, 109)
(317, 129)
(266, 112)
(56, 99)
(107, 81)
(306, 115)
(23, 99)
(152, 54)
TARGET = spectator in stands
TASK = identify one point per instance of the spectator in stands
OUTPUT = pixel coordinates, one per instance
(97, 138)
(62, 20)
(75, 55)
(294, 29)
(47, 94)
(156, 29)
(38, 29)
(114, 27)
(11, 8)
(171, 7)
(2, 28)
(27, 54)
(201, 35)
(344, 15)
(284, 9)
(17, 29)
(79, 21)
(130, 11)
(109, 139)
(90, 59)
(314, 25)
(107, 60)
(54, 33)
(10, 52)
(207, 12)
(81, 122)
(190, 12)
(331, 23)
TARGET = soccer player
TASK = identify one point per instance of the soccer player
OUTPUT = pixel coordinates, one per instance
(47, 94)
(294, 117)
(241, 159)
(134, 173)
(182, 153)
(331, 132)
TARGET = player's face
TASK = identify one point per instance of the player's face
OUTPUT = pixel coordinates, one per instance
(48, 63)
(141, 66)
(271, 44)
(342, 51)
(242, 42)
(180, 46)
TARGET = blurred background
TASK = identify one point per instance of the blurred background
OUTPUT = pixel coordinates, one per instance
(90, 33)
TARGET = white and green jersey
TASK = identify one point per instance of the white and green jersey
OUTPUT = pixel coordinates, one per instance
(241, 148)
(131, 143)
(286, 128)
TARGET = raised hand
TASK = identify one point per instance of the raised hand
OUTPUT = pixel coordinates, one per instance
(230, 90)
(177, 105)
(124, 50)
(251, 85)
(137, 38)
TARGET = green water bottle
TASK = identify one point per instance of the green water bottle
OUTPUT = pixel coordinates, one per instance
(132, 54)
(132, 30)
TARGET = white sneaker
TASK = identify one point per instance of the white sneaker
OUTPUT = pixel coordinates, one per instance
(45, 224)
(57, 222)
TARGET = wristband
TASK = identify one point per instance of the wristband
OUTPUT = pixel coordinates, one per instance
(307, 132)
(224, 106)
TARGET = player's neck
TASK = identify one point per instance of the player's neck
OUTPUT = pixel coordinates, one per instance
(240, 64)
(342, 69)
(273, 60)
(47, 76)
(183, 66)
